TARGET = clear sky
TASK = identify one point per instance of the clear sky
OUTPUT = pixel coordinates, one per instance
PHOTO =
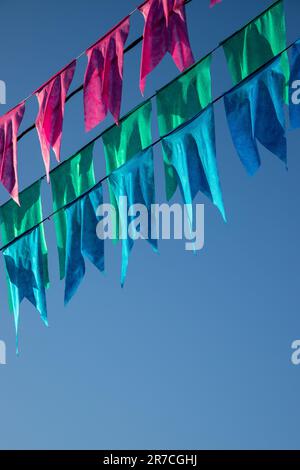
(195, 351)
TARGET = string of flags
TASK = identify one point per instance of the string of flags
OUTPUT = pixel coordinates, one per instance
(255, 109)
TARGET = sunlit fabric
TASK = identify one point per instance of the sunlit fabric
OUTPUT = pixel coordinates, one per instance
(82, 240)
(191, 150)
(134, 181)
(68, 181)
(9, 126)
(49, 122)
(16, 220)
(180, 101)
(294, 105)
(165, 31)
(122, 142)
(255, 111)
(104, 76)
(258, 43)
(25, 269)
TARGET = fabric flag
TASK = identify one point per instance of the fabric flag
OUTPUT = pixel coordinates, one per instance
(49, 122)
(16, 220)
(191, 150)
(103, 79)
(82, 240)
(70, 180)
(9, 126)
(133, 183)
(178, 102)
(294, 103)
(165, 31)
(214, 2)
(122, 142)
(257, 43)
(255, 110)
(25, 271)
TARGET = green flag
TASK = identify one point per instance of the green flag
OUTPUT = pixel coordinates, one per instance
(257, 43)
(70, 180)
(178, 102)
(16, 220)
(123, 142)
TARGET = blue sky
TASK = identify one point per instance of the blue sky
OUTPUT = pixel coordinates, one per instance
(195, 351)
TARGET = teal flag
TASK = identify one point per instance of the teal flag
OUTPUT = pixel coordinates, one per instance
(133, 183)
(258, 43)
(178, 102)
(82, 239)
(191, 150)
(123, 142)
(24, 262)
(16, 220)
(70, 180)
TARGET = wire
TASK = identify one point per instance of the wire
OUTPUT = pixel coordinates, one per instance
(49, 217)
(80, 88)
(127, 49)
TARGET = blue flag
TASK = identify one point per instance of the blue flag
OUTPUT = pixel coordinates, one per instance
(26, 276)
(191, 151)
(82, 240)
(133, 183)
(255, 111)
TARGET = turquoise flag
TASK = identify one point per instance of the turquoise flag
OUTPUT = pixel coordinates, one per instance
(124, 141)
(191, 151)
(178, 102)
(24, 262)
(82, 241)
(133, 183)
(70, 180)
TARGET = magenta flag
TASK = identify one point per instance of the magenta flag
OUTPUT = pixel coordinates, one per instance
(9, 126)
(49, 122)
(104, 76)
(165, 31)
(214, 2)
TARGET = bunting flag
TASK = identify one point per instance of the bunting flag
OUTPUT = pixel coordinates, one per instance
(258, 43)
(122, 142)
(294, 104)
(9, 126)
(255, 110)
(26, 259)
(82, 240)
(49, 122)
(165, 31)
(178, 102)
(104, 76)
(25, 271)
(133, 183)
(191, 150)
(15, 220)
(214, 2)
(70, 180)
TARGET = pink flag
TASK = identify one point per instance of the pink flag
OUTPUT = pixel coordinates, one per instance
(214, 2)
(165, 31)
(49, 121)
(104, 76)
(9, 126)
